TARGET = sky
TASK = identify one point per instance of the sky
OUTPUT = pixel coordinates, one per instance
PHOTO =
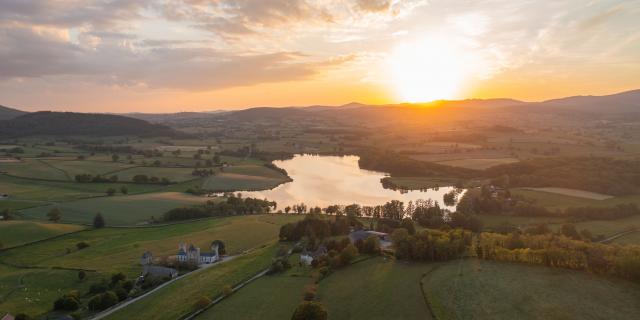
(199, 55)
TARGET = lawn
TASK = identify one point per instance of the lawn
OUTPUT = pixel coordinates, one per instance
(375, 289)
(117, 210)
(119, 249)
(476, 289)
(14, 233)
(178, 299)
(259, 300)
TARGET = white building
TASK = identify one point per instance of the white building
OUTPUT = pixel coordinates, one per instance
(193, 254)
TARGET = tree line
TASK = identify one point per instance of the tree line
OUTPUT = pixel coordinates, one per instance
(233, 205)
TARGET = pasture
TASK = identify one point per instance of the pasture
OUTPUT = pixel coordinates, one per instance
(377, 288)
(34, 169)
(75, 167)
(561, 201)
(258, 301)
(178, 298)
(476, 289)
(17, 232)
(117, 210)
(173, 174)
(33, 290)
(245, 178)
(119, 249)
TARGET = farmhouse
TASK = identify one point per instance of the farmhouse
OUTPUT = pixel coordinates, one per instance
(146, 259)
(307, 257)
(159, 272)
(385, 240)
(193, 255)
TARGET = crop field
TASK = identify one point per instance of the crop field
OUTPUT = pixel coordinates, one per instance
(119, 249)
(469, 289)
(478, 164)
(13, 233)
(609, 227)
(573, 193)
(173, 174)
(375, 289)
(178, 298)
(117, 210)
(490, 222)
(258, 301)
(561, 201)
(34, 290)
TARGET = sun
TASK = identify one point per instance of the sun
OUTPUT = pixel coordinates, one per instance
(426, 70)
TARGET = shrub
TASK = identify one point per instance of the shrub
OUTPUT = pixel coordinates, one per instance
(82, 245)
(68, 302)
(227, 290)
(202, 303)
(310, 310)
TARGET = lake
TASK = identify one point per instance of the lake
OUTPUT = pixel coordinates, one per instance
(326, 180)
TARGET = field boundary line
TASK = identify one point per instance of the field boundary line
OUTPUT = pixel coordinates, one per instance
(56, 168)
(424, 294)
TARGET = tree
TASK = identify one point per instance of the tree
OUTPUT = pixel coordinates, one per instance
(7, 214)
(82, 275)
(111, 191)
(287, 209)
(407, 223)
(115, 157)
(227, 290)
(54, 215)
(348, 253)
(124, 190)
(202, 303)
(98, 221)
(310, 310)
(569, 231)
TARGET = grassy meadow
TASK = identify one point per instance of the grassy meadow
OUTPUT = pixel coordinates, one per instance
(470, 289)
(257, 301)
(117, 210)
(17, 232)
(179, 298)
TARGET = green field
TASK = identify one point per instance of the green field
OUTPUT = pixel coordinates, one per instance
(178, 298)
(118, 249)
(417, 183)
(245, 178)
(33, 291)
(258, 301)
(375, 289)
(560, 201)
(630, 239)
(173, 174)
(74, 167)
(476, 289)
(117, 210)
(14, 233)
(478, 164)
(33, 168)
(49, 191)
(609, 227)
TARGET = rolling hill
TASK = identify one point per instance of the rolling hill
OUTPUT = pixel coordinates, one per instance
(7, 113)
(69, 123)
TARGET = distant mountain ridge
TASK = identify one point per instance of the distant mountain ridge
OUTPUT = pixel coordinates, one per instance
(70, 123)
(7, 113)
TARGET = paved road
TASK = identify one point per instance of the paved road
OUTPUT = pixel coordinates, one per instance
(124, 304)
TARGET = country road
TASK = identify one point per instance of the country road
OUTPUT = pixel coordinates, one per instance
(126, 303)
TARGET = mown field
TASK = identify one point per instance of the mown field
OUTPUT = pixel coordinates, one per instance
(561, 201)
(478, 163)
(179, 298)
(14, 233)
(476, 289)
(258, 301)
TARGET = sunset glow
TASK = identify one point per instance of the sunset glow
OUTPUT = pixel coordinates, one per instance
(426, 70)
